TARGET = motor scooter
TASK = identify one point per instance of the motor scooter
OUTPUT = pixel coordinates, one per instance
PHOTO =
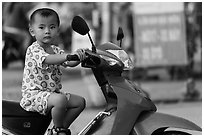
(129, 111)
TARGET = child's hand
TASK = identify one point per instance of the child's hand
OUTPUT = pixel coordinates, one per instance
(81, 54)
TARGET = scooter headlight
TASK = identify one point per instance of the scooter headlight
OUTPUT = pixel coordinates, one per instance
(109, 60)
(123, 56)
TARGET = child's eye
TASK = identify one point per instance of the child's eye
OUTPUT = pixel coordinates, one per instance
(52, 27)
(40, 27)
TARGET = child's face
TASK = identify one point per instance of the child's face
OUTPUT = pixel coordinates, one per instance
(44, 29)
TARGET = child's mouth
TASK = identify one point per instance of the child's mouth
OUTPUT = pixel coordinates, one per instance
(47, 37)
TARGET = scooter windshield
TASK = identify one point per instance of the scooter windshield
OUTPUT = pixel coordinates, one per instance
(123, 56)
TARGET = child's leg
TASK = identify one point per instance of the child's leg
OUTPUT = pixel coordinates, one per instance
(76, 105)
(58, 105)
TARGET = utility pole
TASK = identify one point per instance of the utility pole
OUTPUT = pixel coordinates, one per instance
(105, 22)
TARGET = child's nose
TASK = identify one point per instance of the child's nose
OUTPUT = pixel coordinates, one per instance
(47, 30)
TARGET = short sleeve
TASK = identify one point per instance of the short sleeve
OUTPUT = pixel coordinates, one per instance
(58, 50)
(38, 55)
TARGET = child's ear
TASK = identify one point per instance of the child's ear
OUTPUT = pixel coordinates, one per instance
(31, 31)
(58, 32)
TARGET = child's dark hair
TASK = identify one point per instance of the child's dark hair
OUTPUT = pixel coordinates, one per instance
(44, 12)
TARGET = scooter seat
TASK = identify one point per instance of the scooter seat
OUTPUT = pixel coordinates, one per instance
(22, 122)
(13, 109)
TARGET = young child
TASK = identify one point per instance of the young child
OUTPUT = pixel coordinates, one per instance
(41, 87)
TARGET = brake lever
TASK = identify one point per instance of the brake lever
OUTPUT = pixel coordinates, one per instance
(91, 61)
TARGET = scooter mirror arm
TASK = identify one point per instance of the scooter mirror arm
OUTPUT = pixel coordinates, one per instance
(93, 46)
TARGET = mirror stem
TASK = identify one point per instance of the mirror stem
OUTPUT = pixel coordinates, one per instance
(93, 46)
(121, 43)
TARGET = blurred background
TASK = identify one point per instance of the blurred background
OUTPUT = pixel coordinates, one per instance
(164, 40)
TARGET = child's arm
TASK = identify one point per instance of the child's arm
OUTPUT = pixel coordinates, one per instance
(58, 59)
(61, 58)
(55, 59)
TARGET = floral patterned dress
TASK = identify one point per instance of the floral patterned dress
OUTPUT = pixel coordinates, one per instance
(39, 79)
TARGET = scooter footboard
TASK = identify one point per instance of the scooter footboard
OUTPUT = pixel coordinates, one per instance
(101, 125)
(148, 122)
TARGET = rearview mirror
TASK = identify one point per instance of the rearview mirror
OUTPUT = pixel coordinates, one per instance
(79, 25)
(120, 34)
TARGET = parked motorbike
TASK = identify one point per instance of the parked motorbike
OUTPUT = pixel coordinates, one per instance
(129, 111)
(12, 49)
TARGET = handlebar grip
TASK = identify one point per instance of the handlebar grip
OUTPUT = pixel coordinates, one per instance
(73, 58)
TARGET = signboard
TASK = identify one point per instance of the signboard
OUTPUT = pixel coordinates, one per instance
(160, 37)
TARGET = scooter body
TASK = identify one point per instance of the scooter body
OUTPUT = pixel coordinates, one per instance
(136, 113)
(148, 122)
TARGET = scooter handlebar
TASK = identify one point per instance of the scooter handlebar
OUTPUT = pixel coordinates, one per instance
(92, 60)
(73, 58)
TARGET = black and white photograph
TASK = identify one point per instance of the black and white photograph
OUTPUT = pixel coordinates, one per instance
(101, 68)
